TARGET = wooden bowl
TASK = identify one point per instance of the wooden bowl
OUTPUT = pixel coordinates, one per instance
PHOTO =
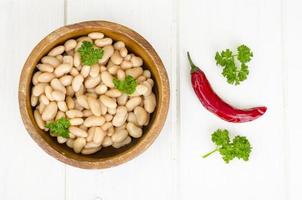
(108, 156)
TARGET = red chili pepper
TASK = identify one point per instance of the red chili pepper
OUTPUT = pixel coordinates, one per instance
(215, 104)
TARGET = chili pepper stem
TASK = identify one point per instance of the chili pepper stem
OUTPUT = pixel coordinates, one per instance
(206, 155)
(193, 66)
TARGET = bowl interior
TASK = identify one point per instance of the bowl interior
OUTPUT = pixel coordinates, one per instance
(137, 47)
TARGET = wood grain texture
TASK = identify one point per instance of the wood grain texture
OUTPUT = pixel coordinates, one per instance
(26, 172)
(171, 168)
(221, 25)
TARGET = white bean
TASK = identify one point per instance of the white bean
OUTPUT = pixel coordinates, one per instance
(136, 61)
(87, 113)
(91, 132)
(77, 59)
(59, 115)
(34, 100)
(82, 100)
(48, 90)
(94, 71)
(38, 89)
(124, 52)
(70, 44)
(57, 85)
(70, 103)
(99, 135)
(106, 126)
(79, 144)
(92, 82)
(120, 74)
(90, 150)
(38, 119)
(44, 99)
(62, 69)
(50, 111)
(113, 93)
(94, 121)
(120, 117)
(103, 108)
(108, 102)
(53, 61)
(94, 106)
(70, 142)
(107, 141)
(45, 67)
(61, 140)
(113, 69)
(74, 72)
(91, 145)
(132, 118)
(118, 45)
(122, 100)
(141, 115)
(123, 143)
(108, 52)
(126, 64)
(76, 121)
(119, 136)
(62, 106)
(69, 91)
(116, 58)
(35, 78)
(68, 60)
(147, 73)
(78, 131)
(41, 107)
(60, 58)
(103, 42)
(96, 35)
(85, 71)
(133, 102)
(134, 131)
(101, 89)
(112, 111)
(108, 117)
(66, 80)
(150, 103)
(107, 79)
(134, 72)
(74, 113)
(77, 82)
(57, 51)
(58, 95)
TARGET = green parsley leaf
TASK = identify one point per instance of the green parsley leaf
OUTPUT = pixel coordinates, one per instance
(126, 86)
(239, 148)
(226, 59)
(89, 54)
(59, 127)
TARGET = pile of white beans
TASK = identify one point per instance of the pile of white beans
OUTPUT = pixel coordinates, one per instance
(100, 115)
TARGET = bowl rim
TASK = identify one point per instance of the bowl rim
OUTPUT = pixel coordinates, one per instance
(122, 157)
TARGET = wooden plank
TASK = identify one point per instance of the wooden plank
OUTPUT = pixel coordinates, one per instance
(26, 171)
(208, 26)
(149, 176)
(292, 42)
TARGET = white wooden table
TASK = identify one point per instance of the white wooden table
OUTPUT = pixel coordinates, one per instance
(172, 167)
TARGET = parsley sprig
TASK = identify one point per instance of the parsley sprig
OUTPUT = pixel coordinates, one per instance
(127, 85)
(90, 54)
(59, 127)
(226, 59)
(239, 147)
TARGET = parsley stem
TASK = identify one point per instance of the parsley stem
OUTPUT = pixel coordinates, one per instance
(193, 66)
(206, 155)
